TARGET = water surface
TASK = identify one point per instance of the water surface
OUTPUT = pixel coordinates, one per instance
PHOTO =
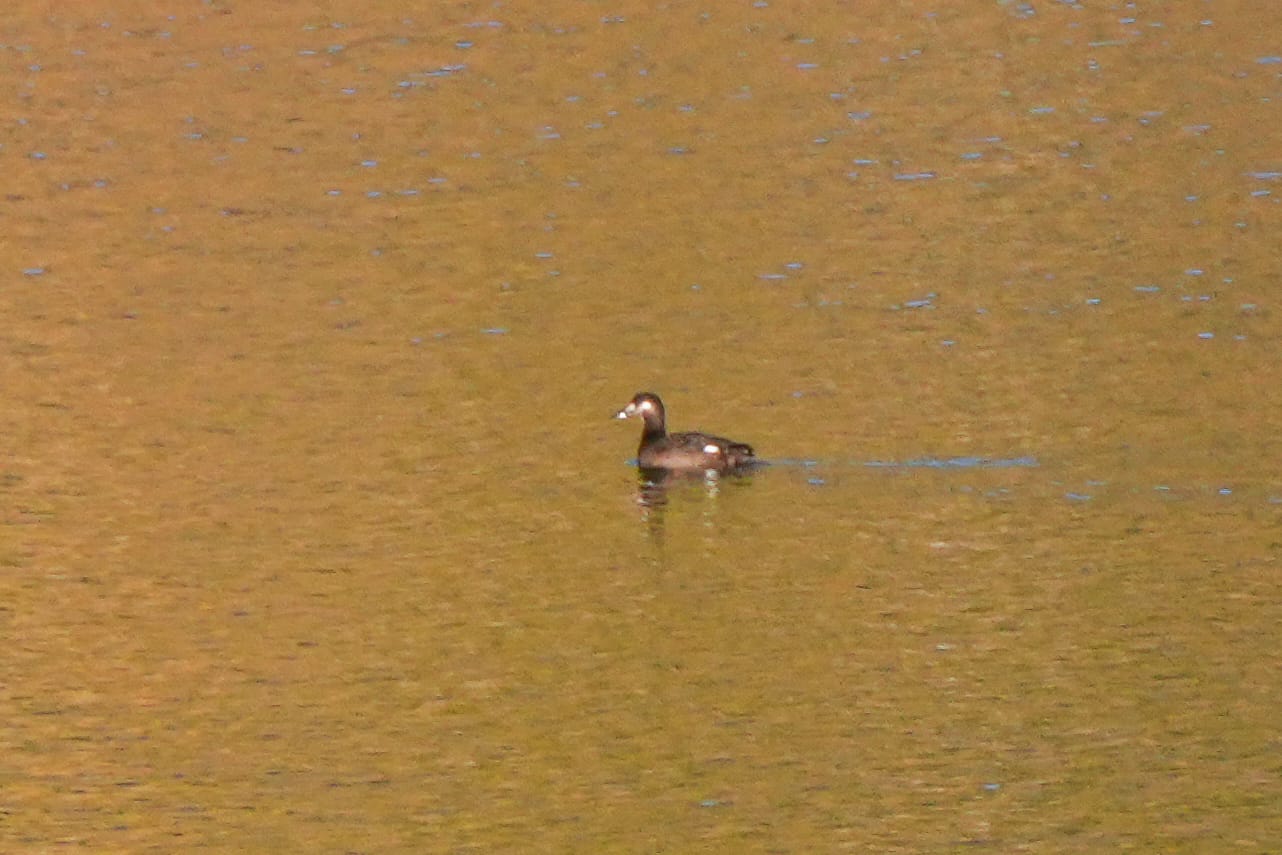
(317, 535)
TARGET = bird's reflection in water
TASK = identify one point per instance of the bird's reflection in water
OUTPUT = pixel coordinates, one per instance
(655, 486)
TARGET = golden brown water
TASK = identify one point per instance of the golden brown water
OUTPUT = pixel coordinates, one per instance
(316, 534)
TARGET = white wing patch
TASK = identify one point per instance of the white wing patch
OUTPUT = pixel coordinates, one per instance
(711, 448)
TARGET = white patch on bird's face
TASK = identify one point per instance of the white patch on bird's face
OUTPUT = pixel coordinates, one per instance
(634, 408)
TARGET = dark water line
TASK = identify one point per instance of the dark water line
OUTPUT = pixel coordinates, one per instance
(1025, 462)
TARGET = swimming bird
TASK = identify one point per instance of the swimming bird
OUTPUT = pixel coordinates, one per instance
(689, 451)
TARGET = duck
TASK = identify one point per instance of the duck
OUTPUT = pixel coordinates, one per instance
(691, 451)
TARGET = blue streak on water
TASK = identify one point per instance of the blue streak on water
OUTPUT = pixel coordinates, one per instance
(959, 463)
(1024, 462)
